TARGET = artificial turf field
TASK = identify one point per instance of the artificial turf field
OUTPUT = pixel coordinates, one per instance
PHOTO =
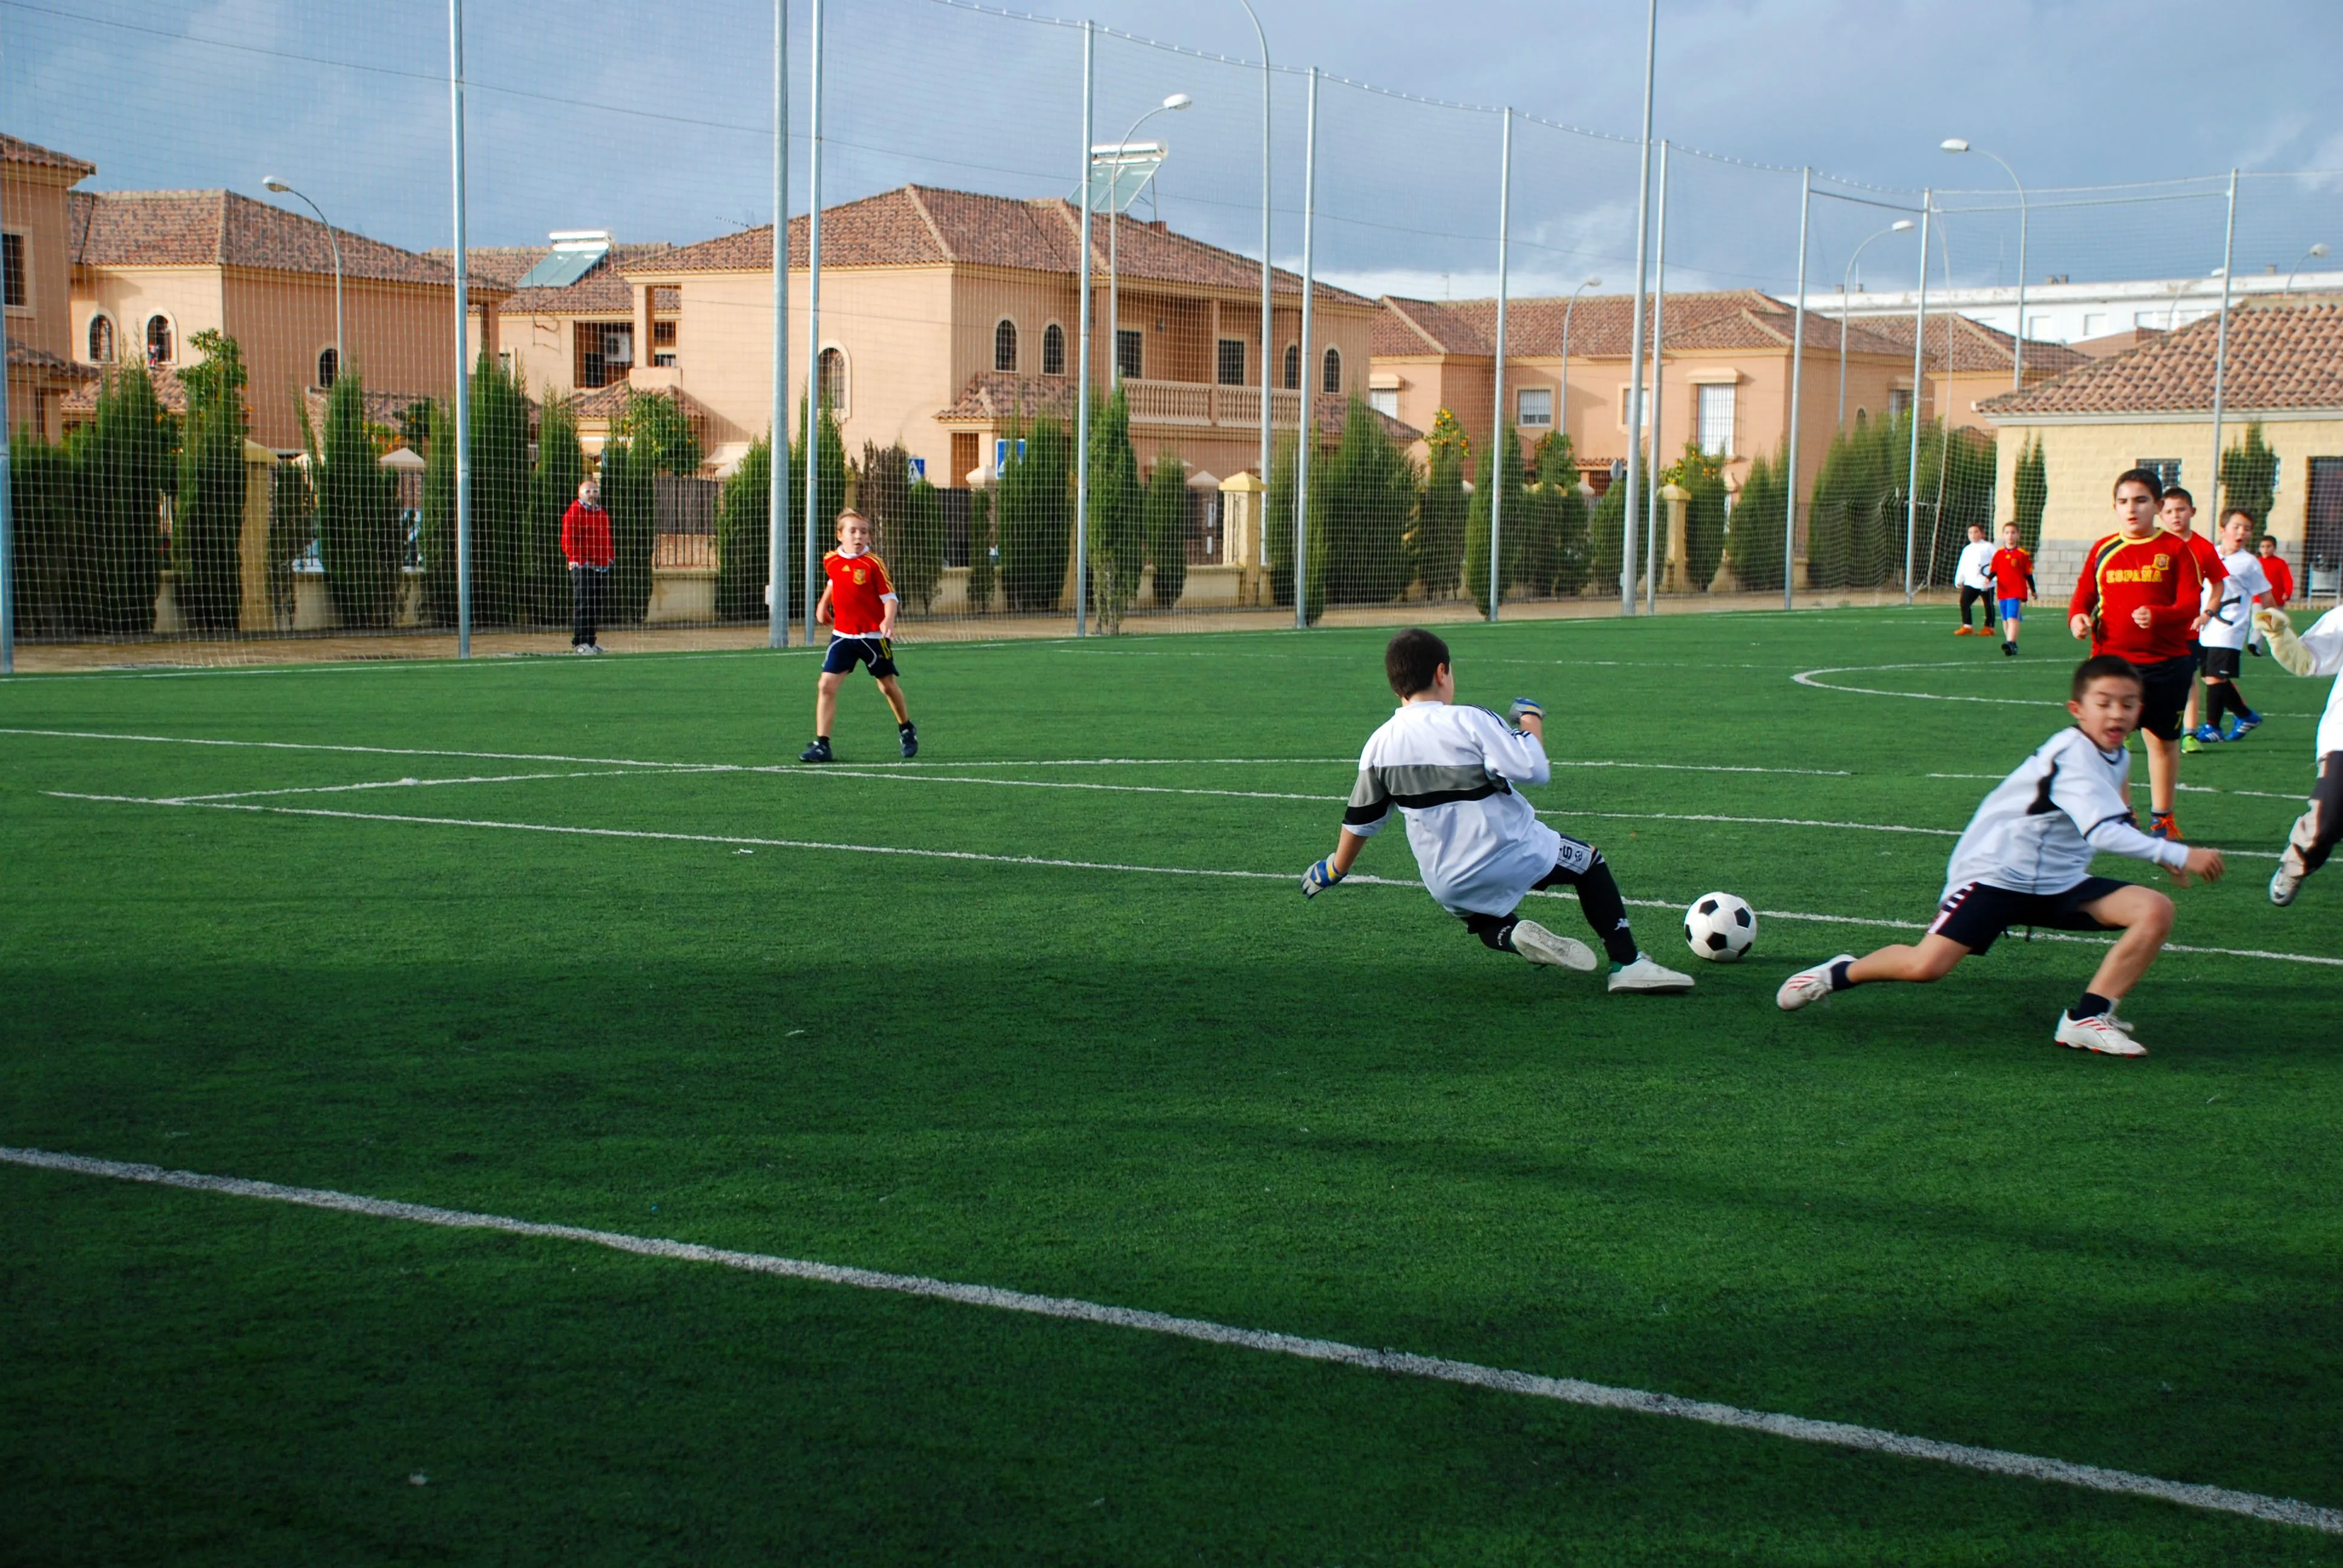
(1198, 1095)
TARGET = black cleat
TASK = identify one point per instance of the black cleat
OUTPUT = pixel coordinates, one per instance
(911, 734)
(817, 752)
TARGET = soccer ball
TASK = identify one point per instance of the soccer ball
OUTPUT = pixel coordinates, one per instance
(1720, 927)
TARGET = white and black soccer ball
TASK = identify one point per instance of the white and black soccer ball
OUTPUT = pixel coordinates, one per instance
(1720, 927)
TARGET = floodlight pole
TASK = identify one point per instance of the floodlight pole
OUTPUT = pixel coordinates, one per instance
(2221, 339)
(1798, 382)
(1495, 477)
(1114, 234)
(1266, 271)
(813, 318)
(341, 354)
(7, 527)
(462, 328)
(1636, 349)
(777, 474)
(1082, 378)
(1846, 299)
(1305, 435)
(1659, 381)
(1920, 348)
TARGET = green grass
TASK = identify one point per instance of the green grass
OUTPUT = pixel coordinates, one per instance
(1203, 1096)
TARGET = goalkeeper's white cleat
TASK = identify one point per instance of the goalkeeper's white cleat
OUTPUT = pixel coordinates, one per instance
(1541, 946)
(2284, 884)
(1643, 975)
(1808, 985)
(2099, 1033)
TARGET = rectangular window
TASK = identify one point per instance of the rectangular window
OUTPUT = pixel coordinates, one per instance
(1231, 366)
(2095, 323)
(2165, 469)
(1627, 396)
(663, 361)
(1384, 401)
(662, 334)
(1717, 420)
(605, 349)
(1899, 402)
(12, 262)
(1127, 344)
(1533, 408)
(2322, 537)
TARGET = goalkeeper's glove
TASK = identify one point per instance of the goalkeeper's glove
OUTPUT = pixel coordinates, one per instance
(1524, 707)
(2284, 646)
(1319, 877)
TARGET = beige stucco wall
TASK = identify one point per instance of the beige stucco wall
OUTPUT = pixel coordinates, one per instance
(32, 205)
(191, 297)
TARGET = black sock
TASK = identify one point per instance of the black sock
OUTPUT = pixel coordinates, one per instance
(2092, 1005)
(2238, 703)
(1838, 975)
(821, 740)
(1606, 911)
(904, 728)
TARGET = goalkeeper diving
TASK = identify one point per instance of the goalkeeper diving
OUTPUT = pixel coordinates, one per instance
(1453, 773)
(2318, 651)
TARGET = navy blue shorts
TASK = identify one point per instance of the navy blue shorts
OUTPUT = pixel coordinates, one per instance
(1976, 914)
(846, 653)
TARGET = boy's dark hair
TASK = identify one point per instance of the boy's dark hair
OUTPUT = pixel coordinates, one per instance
(1976, 527)
(2267, 539)
(1412, 659)
(2103, 667)
(2172, 490)
(2140, 477)
(2251, 521)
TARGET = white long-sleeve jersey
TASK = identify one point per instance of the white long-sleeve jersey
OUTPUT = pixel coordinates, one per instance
(2324, 642)
(2232, 620)
(1451, 770)
(2038, 829)
(1975, 568)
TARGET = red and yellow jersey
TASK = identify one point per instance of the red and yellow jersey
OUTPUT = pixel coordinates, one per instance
(2121, 575)
(859, 589)
(2013, 573)
(2205, 552)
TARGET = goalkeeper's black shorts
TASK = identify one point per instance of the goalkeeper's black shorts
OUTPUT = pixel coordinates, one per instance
(847, 651)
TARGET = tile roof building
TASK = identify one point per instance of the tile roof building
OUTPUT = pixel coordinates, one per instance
(36, 201)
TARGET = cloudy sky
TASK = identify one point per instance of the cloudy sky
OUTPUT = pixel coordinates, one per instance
(652, 117)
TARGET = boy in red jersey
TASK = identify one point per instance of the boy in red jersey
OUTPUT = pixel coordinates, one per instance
(858, 603)
(2013, 585)
(2176, 515)
(2139, 597)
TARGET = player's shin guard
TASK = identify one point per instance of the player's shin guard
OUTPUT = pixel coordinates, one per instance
(1606, 911)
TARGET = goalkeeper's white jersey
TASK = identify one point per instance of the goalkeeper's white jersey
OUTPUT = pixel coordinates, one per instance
(1975, 568)
(2038, 829)
(1451, 770)
(2325, 642)
(2232, 620)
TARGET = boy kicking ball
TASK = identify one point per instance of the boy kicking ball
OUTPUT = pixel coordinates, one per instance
(858, 603)
(1452, 771)
(2026, 860)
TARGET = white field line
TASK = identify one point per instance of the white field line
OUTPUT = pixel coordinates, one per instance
(1471, 1374)
(2142, 784)
(1044, 860)
(414, 784)
(1806, 677)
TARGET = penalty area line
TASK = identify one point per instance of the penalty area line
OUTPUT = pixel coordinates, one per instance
(1441, 1369)
(572, 830)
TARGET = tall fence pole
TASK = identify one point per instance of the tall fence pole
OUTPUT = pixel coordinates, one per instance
(2221, 346)
(7, 522)
(1082, 380)
(814, 319)
(1652, 548)
(1495, 477)
(1266, 272)
(1919, 389)
(1797, 381)
(777, 477)
(1305, 436)
(463, 331)
(1635, 348)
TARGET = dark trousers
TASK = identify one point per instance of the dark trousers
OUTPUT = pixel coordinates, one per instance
(1580, 866)
(1970, 596)
(584, 602)
(2315, 835)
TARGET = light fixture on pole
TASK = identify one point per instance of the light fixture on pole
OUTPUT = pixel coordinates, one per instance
(1562, 415)
(341, 357)
(2017, 338)
(1118, 174)
(2315, 252)
(1900, 225)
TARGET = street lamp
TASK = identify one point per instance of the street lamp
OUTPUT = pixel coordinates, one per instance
(1898, 227)
(341, 358)
(1562, 415)
(1176, 102)
(2017, 338)
(1265, 270)
(2313, 253)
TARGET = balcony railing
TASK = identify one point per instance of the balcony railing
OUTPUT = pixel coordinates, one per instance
(1200, 406)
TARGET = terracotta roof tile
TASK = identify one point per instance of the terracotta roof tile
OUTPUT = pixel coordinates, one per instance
(1601, 327)
(602, 291)
(221, 228)
(2283, 354)
(18, 150)
(1959, 344)
(607, 403)
(23, 355)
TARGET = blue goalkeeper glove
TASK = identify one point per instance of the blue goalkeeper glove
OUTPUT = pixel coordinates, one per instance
(1524, 707)
(1319, 877)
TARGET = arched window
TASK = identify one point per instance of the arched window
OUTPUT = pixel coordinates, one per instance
(1053, 350)
(330, 368)
(101, 340)
(159, 340)
(1331, 379)
(1004, 345)
(833, 379)
(1292, 377)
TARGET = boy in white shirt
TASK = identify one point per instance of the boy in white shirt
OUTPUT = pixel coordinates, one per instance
(2318, 651)
(2228, 628)
(1452, 771)
(1974, 572)
(2026, 860)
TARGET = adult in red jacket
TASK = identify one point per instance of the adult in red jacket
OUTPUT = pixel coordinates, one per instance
(586, 542)
(2138, 598)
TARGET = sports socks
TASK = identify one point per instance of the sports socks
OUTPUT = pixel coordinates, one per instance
(2092, 1006)
(1606, 911)
(1838, 977)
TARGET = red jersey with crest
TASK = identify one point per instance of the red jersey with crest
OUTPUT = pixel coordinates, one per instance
(2120, 575)
(2013, 573)
(859, 591)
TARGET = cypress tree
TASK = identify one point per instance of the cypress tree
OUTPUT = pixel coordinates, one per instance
(44, 486)
(1117, 535)
(552, 487)
(1437, 545)
(983, 553)
(502, 592)
(361, 541)
(1752, 539)
(630, 497)
(2249, 477)
(1164, 512)
(1370, 501)
(744, 518)
(126, 470)
(437, 606)
(207, 523)
(2029, 489)
(1035, 518)
(1505, 471)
